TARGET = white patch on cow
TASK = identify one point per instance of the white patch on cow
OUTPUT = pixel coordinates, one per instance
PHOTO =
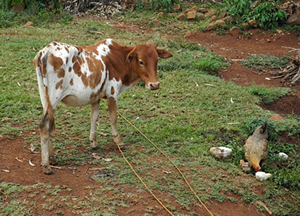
(109, 42)
(118, 86)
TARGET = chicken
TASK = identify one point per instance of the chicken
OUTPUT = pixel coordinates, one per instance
(261, 176)
(220, 152)
(256, 147)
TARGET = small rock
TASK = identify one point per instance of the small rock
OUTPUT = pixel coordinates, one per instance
(195, 8)
(223, 15)
(185, 159)
(254, 5)
(159, 15)
(120, 26)
(181, 17)
(203, 10)
(29, 24)
(211, 12)
(211, 27)
(213, 18)
(245, 24)
(176, 7)
(220, 23)
(293, 20)
(234, 31)
(253, 23)
(172, 14)
(201, 16)
(191, 15)
(188, 34)
(228, 19)
(276, 117)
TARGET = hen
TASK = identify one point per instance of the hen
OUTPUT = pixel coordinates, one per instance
(256, 147)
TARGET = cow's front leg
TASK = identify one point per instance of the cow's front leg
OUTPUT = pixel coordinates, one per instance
(94, 117)
(112, 108)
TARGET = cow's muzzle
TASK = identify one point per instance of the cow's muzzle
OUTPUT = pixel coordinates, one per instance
(154, 86)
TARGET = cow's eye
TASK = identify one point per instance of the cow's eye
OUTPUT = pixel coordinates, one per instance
(141, 62)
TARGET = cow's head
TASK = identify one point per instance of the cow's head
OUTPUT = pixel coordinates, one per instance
(144, 58)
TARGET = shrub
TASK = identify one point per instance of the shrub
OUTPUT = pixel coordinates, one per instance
(266, 14)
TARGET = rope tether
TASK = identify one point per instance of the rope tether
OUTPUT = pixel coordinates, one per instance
(186, 181)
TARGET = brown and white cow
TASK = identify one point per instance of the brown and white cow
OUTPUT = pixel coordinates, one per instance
(81, 75)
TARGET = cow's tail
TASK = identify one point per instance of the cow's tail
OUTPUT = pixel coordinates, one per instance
(40, 64)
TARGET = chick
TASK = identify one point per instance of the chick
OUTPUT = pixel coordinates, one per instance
(220, 152)
(245, 166)
(261, 176)
(256, 147)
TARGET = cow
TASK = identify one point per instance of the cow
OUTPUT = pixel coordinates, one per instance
(82, 75)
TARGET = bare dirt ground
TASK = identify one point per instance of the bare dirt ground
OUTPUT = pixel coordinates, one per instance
(226, 45)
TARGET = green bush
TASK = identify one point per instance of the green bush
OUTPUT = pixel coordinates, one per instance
(266, 14)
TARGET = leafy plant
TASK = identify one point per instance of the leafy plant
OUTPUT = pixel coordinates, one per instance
(267, 16)
(238, 7)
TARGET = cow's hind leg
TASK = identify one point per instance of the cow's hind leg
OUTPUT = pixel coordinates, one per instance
(46, 126)
(112, 108)
(94, 117)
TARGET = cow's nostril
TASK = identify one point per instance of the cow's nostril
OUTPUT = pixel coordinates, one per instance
(154, 86)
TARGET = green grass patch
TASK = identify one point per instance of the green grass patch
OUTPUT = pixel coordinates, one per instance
(262, 61)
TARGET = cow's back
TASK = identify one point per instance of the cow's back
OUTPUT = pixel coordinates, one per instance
(75, 75)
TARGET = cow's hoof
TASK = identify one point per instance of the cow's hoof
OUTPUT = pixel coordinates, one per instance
(47, 170)
(96, 147)
(123, 147)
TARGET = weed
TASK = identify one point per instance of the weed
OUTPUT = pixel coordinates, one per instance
(268, 95)
(261, 62)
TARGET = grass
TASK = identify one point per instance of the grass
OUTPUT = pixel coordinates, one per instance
(191, 101)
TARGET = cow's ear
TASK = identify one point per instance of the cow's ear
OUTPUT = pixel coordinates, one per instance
(162, 53)
(131, 55)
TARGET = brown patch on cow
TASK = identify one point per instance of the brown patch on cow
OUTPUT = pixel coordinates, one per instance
(79, 49)
(42, 64)
(71, 82)
(112, 90)
(59, 85)
(95, 67)
(56, 62)
(54, 43)
(67, 59)
(70, 69)
(85, 80)
(76, 66)
(60, 72)
(95, 96)
(66, 48)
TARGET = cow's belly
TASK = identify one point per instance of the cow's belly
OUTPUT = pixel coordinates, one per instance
(75, 101)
